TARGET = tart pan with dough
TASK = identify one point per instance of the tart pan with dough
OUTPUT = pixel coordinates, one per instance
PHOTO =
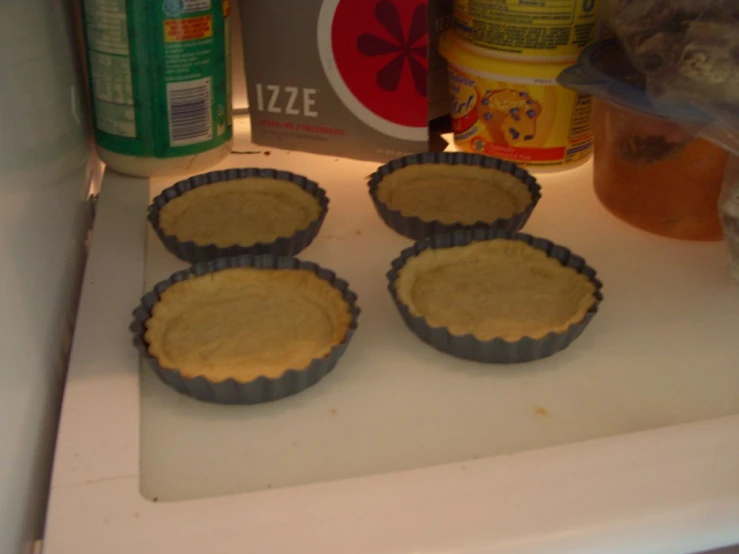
(440, 192)
(247, 329)
(238, 211)
(493, 296)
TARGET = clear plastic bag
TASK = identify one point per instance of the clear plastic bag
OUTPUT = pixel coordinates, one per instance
(688, 51)
(728, 204)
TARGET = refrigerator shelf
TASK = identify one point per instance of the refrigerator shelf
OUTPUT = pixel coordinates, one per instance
(629, 438)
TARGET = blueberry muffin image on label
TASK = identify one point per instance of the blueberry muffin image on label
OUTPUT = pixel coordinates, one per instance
(509, 115)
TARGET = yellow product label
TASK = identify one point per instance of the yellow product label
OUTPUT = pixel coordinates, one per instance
(464, 101)
(515, 111)
(554, 29)
(524, 122)
(189, 28)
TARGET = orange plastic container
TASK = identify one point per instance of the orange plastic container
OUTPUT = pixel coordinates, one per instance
(653, 175)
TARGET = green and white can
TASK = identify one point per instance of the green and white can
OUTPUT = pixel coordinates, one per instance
(160, 83)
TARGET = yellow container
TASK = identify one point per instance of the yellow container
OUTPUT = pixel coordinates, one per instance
(515, 111)
(535, 31)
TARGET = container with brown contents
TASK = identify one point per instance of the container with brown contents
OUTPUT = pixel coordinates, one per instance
(652, 174)
(649, 170)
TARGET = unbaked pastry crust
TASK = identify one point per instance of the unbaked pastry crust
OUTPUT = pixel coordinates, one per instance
(244, 323)
(239, 212)
(494, 289)
(465, 194)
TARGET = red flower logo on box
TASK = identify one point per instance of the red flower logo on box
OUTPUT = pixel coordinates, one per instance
(374, 53)
(402, 47)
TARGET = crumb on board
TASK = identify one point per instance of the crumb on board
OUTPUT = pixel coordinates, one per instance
(541, 412)
(334, 411)
(359, 232)
(269, 485)
(155, 499)
(267, 153)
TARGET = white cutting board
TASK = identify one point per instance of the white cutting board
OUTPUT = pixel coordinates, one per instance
(662, 351)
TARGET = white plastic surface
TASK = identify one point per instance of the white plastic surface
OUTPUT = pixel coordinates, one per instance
(666, 491)
(661, 352)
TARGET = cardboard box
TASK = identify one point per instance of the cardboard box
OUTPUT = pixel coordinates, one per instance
(352, 78)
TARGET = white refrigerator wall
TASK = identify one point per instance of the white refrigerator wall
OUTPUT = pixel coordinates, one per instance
(45, 170)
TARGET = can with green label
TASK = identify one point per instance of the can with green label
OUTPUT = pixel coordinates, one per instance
(160, 79)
